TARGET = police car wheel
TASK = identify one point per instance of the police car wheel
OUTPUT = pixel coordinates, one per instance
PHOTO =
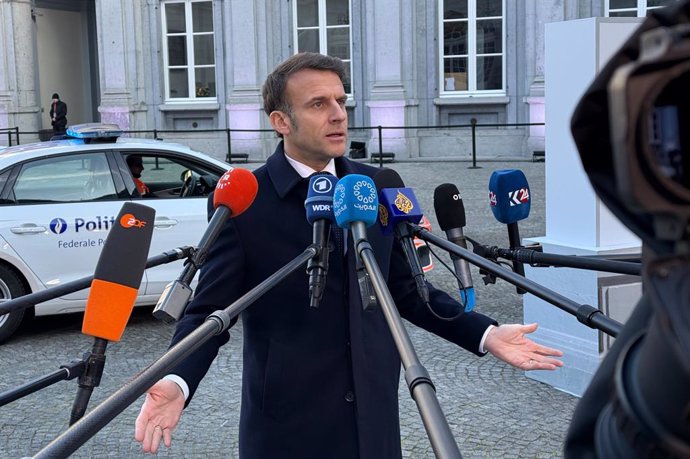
(10, 287)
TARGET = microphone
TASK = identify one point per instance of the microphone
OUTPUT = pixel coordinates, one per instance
(113, 292)
(355, 203)
(450, 213)
(234, 193)
(398, 205)
(356, 206)
(319, 206)
(509, 198)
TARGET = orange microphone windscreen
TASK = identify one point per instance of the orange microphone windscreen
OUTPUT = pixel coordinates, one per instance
(236, 190)
(118, 273)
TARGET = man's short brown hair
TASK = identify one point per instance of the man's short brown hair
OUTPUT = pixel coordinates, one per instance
(273, 90)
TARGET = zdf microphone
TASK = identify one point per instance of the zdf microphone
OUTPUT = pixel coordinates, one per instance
(113, 293)
(398, 206)
(234, 193)
(450, 212)
(319, 207)
(509, 198)
(118, 273)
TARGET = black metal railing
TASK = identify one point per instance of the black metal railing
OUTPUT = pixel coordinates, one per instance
(155, 133)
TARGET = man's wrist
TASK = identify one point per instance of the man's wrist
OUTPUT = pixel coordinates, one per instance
(181, 383)
(482, 349)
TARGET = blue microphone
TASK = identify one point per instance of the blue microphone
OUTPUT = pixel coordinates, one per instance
(509, 198)
(397, 206)
(355, 203)
(319, 206)
(355, 200)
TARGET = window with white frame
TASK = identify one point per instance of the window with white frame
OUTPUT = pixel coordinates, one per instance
(471, 48)
(188, 50)
(633, 8)
(323, 26)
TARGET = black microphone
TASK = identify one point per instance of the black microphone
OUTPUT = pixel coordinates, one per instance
(509, 197)
(113, 292)
(234, 193)
(319, 206)
(450, 213)
(397, 206)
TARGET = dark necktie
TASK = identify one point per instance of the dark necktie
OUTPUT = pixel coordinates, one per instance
(339, 239)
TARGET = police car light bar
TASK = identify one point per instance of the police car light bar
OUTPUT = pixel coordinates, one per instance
(94, 131)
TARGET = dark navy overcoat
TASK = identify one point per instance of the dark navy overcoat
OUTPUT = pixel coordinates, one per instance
(317, 382)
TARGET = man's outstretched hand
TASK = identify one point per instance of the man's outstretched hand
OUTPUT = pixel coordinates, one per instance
(159, 415)
(509, 344)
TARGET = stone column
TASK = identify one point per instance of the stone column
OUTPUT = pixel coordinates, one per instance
(384, 58)
(243, 100)
(18, 99)
(537, 14)
(112, 62)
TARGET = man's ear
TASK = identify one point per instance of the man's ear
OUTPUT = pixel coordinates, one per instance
(280, 122)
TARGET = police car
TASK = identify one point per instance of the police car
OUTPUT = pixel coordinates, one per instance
(58, 199)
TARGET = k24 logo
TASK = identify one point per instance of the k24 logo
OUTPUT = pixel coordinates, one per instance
(518, 197)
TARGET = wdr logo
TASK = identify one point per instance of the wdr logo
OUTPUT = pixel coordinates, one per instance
(58, 225)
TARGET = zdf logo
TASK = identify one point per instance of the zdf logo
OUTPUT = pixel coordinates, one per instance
(130, 221)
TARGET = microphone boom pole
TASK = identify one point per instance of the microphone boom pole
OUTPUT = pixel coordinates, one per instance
(537, 258)
(416, 376)
(80, 432)
(586, 314)
(355, 205)
(32, 299)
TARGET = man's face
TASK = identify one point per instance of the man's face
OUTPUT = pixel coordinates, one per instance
(136, 169)
(316, 129)
(55, 100)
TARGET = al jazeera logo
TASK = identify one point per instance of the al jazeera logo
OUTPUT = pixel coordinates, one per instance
(383, 215)
(403, 203)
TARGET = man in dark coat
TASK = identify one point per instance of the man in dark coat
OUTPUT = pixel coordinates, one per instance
(58, 115)
(317, 382)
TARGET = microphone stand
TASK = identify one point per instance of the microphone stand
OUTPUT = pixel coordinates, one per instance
(215, 324)
(586, 314)
(417, 378)
(173, 300)
(66, 372)
(76, 368)
(537, 258)
(90, 378)
(32, 299)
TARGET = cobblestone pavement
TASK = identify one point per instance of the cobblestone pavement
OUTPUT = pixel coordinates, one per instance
(493, 410)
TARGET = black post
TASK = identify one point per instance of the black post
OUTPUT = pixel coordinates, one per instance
(155, 134)
(380, 129)
(9, 138)
(474, 144)
(229, 158)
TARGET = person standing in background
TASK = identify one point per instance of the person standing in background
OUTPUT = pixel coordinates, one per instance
(58, 115)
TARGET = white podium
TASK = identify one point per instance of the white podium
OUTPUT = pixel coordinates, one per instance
(577, 222)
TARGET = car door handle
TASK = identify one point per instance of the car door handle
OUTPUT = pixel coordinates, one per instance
(164, 222)
(28, 228)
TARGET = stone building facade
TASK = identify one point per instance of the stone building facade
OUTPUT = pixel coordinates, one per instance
(191, 69)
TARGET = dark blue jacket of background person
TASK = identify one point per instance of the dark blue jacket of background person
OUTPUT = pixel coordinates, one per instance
(317, 382)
